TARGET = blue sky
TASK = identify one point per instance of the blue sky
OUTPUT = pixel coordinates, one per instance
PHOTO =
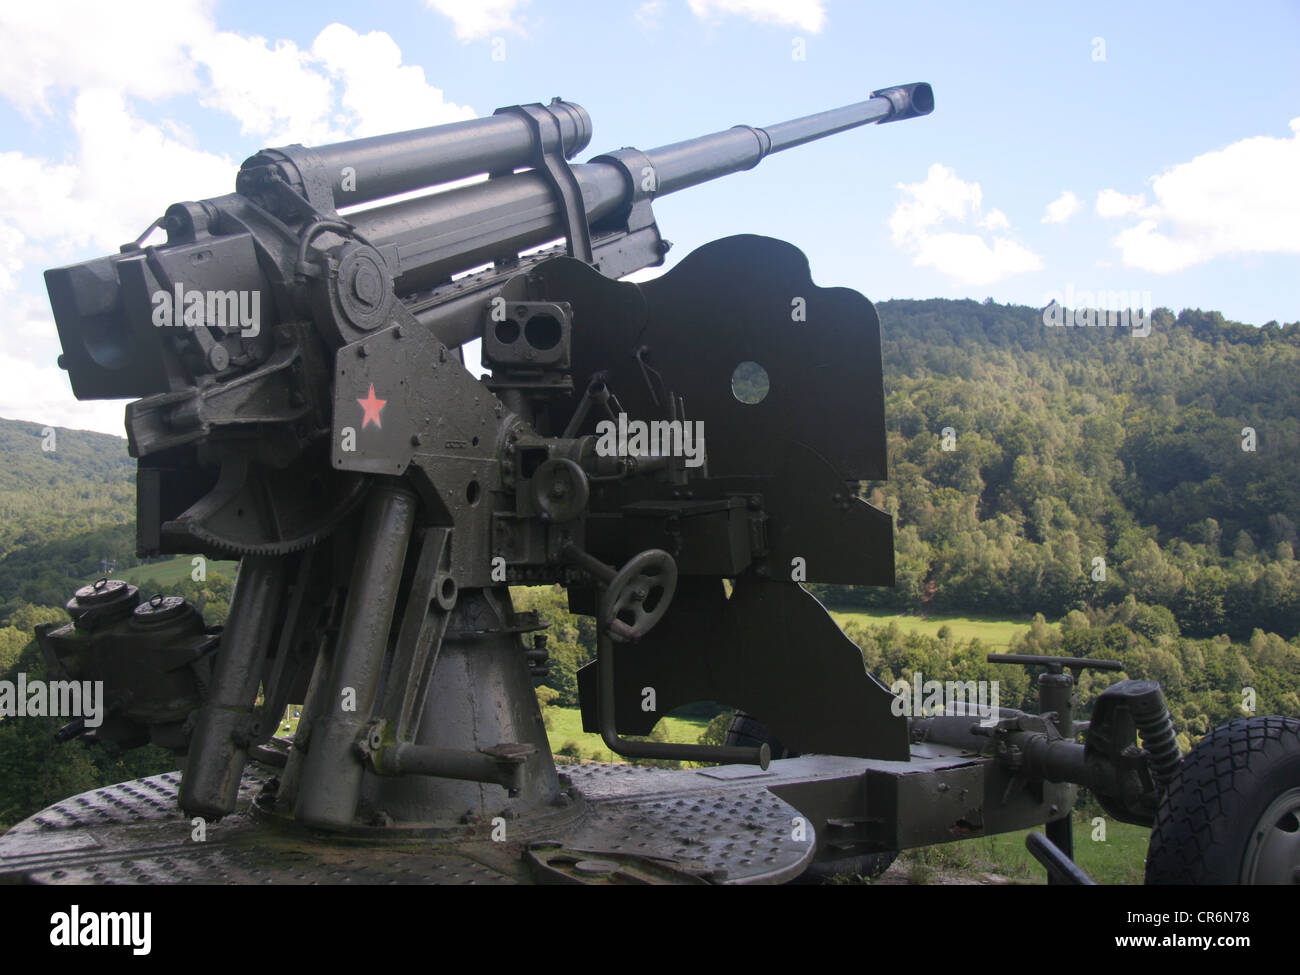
(1149, 148)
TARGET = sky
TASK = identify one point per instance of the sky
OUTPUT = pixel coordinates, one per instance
(1147, 148)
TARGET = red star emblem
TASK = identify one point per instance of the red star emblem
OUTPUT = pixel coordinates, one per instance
(372, 407)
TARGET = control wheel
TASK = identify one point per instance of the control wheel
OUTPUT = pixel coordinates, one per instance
(559, 489)
(639, 595)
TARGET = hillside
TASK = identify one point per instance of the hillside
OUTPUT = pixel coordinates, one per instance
(1063, 446)
(1069, 445)
(67, 504)
(72, 481)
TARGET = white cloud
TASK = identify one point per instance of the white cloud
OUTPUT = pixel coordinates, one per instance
(36, 201)
(478, 19)
(273, 91)
(996, 220)
(1112, 203)
(648, 14)
(969, 259)
(112, 201)
(49, 210)
(49, 214)
(1062, 208)
(34, 387)
(380, 94)
(42, 394)
(809, 15)
(283, 94)
(1242, 199)
(11, 253)
(943, 198)
(276, 91)
(72, 45)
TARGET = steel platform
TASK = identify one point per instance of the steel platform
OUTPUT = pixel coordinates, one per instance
(619, 824)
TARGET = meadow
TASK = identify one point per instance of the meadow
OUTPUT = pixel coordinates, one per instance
(169, 572)
(995, 632)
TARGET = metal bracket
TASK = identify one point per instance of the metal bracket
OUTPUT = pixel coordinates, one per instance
(312, 195)
(642, 182)
(633, 240)
(548, 159)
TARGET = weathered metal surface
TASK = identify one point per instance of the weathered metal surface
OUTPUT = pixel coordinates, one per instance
(741, 650)
(308, 410)
(722, 832)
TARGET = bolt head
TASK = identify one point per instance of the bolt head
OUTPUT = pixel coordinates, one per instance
(366, 286)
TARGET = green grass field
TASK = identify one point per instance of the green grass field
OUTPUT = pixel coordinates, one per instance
(1118, 859)
(171, 571)
(992, 631)
(565, 726)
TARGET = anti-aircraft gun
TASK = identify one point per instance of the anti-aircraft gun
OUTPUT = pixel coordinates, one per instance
(680, 454)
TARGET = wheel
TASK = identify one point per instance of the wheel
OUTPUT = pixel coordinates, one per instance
(559, 489)
(1231, 814)
(751, 733)
(639, 595)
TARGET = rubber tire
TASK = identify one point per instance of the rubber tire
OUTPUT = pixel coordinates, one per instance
(750, 733)
(1214, 803)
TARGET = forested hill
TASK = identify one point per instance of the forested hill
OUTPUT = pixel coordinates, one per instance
(56, 478)
(67, 502)
(1070, 444)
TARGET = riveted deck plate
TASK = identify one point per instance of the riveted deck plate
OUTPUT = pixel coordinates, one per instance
(668, 826)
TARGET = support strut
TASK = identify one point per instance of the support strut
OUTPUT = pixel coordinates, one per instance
(333, 770)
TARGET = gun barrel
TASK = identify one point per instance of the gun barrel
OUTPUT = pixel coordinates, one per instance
(696, 161)
(108, 310)
(364, 170)
(443, 233)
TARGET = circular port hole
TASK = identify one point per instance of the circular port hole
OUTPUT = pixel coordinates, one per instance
(472, 492)
(749, 383)
(543, 332)
(507, 331)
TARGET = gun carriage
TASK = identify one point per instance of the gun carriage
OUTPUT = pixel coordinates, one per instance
(295, 353)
